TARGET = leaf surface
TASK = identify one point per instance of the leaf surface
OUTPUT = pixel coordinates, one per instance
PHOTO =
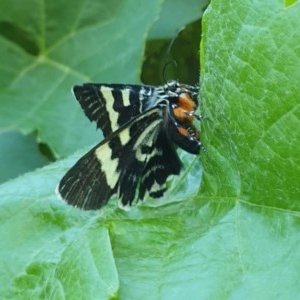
(235, 237)
(46, 48)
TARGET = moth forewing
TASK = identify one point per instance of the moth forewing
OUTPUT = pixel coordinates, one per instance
(141, 124)
(113, 105)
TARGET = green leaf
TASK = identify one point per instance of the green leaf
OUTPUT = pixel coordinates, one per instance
(250, 92)
(174, 58)
(12, 144)
(175, 15)
(46, 48)
(54, 251)
(237, 237)
(49, 251)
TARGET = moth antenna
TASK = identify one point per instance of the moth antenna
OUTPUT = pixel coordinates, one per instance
(170, 61)
(173, 40)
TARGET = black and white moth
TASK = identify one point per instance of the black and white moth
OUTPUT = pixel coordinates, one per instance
(142, 126)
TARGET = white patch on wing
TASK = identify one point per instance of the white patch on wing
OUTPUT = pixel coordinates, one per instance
(150, 96)
(124, 136)
(125, 96)
(156, 187)
(113, 115)
(145, 93)
(108, 165)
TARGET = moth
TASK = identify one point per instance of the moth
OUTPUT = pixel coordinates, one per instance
(142, 127)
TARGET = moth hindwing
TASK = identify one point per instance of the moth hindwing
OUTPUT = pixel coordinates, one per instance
(142, 126)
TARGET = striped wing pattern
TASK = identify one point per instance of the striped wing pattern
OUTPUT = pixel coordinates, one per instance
(125, 161)
(138, 153)
(113, 105)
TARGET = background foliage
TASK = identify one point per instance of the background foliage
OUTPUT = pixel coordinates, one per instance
(236, 235)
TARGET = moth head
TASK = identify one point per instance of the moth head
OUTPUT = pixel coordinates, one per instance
(174, 89)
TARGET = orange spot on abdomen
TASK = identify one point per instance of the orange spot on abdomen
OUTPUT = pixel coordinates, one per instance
(182, 131)
(185, 104)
